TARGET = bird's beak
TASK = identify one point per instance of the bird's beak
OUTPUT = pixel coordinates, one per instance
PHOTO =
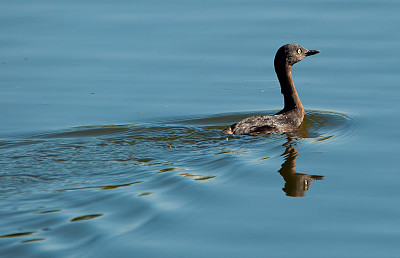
(312, 52)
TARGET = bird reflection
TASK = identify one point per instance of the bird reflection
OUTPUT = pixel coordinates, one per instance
(296, 184)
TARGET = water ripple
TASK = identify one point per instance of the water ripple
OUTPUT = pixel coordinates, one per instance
(131, 174)
(81, 154)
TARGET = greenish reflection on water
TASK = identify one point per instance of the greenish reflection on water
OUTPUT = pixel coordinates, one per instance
(110, 129)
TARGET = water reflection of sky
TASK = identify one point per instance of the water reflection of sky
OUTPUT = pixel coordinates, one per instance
(111, 112)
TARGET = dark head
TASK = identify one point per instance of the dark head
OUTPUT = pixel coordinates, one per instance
(290, 54)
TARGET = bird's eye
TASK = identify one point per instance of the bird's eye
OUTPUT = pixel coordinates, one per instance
(299, 50)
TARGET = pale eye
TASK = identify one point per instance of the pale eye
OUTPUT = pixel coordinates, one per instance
(299, 50)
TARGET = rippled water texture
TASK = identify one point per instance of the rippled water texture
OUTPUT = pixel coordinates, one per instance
(90, 150)
(91, 169)
(111, 118)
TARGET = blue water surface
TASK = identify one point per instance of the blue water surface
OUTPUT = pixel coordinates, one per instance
(111, 118)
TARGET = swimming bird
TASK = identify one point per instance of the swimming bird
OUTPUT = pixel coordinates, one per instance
(292, 114)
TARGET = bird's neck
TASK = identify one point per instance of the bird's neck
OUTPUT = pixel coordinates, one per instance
(291, 99)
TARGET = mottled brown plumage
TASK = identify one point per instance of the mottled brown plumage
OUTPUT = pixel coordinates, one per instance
(291, 116)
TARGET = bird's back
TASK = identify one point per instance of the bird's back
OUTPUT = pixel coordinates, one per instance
(278, 123)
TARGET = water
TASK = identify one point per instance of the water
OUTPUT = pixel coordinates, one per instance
(110, 130)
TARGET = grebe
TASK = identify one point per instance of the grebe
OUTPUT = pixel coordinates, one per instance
(292, 115)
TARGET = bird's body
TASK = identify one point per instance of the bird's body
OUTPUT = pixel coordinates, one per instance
(292, 115)
(280, 122)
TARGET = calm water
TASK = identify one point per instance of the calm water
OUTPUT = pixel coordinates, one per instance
(110, 130)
